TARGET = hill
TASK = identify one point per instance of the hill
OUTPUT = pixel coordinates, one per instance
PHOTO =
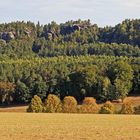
(75, 58)
(73, 38)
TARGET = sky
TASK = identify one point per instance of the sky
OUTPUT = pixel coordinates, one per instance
(101, 12)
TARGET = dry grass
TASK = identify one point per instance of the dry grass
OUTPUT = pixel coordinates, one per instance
(23, 126)
(14, 109)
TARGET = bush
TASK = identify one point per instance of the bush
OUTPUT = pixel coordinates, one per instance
(89, 106)
(107, 108)
(127, 108)
(35, 105)
(89, 101)
(69, 105)
(52, 104)
(137, 110)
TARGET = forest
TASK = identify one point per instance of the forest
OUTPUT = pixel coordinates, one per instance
(76, 58)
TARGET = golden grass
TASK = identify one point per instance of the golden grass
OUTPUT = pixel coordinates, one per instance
(14, 109)
(24, 126)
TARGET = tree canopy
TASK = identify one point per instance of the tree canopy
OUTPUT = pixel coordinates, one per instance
(76, 58)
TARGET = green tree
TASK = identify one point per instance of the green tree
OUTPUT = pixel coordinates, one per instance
(22, 93)
(121, 75)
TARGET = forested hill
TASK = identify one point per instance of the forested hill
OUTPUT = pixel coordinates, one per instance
(76, 58)
(73, 38)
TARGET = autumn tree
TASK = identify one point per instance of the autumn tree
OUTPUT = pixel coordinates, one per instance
(53, 104)
(36, 105)
(6, 92)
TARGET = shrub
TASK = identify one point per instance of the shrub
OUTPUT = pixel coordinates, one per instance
(107, 108)
(89, 101)
(127, 108)
(89, 106)
(35, 105)
(69, 104)
(137, 110)
(53, 104)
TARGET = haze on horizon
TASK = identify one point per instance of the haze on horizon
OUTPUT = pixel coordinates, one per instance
(101, 12)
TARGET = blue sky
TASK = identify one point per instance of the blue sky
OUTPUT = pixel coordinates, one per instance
(102, 12)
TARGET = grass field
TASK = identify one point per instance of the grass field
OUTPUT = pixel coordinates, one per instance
(24, 126)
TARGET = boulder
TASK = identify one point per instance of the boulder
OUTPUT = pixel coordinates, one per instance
(8, 36)
(76, 27)
(50, 35)
(11, 35)
(28, 32)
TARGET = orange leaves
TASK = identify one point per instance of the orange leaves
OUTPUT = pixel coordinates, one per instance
(7, 86)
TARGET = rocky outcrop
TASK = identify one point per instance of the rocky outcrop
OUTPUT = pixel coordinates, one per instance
(8, 36)
(49, 35)
(72, 28)
(27, 32)
(76, 27)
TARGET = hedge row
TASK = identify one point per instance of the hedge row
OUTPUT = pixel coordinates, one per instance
(53, 104)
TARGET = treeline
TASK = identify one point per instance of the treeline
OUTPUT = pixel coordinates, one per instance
(126, 32)
(102, 77)
(73, 38)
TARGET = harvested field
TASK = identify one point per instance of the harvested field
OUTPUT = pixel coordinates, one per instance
(32, 126)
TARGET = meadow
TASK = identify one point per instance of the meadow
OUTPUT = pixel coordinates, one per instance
(39, 126)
